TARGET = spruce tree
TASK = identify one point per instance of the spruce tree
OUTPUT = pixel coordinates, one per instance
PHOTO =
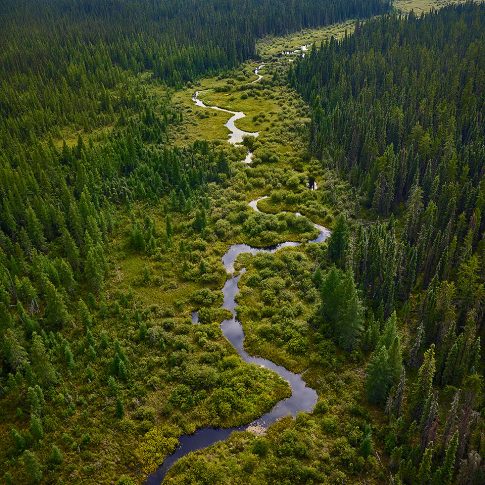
(36, 429)
(41, 364)
(444, 474)
(395, 401)
(341, 308)
(19, 440)
(120, 408)
(338, 242)
(56, 458)
(425, 467)
(56, 312)
(379, 378)
(366, 448)
(32, 467)
(424, 384)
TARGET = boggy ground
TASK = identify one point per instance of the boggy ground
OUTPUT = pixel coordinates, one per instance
(278, 298)
(185, 376)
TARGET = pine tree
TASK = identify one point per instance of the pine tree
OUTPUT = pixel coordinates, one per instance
(378, 379)
(425, 467)
(413, 212)
(200, 221)
(341, 308)
(35, 396)
(338, 242)
(332, 297)
(429, 422)
(15, 354)
(56, 457)
(18, 440)
(56, 312)
(41, 364)
(36, 429)
(120, 408)
(371, 334)
(366, 448)
(444, 474)
(414, 354)
(168, 230)
(32, 467)
(423, 386)
(389, 333)
(394, 405)
(451, 418)
(71, 251)
(85, 314)
(450, 373)
(69, 357)
(94, 269)
(395, 359)
(35, 229)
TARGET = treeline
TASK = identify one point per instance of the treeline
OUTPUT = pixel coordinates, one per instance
(67, 62)
(398, 109)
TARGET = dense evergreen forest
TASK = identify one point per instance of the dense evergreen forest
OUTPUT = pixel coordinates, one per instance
(398, 110)
(64, 61)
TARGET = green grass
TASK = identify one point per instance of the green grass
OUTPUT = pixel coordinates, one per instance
(270, 46)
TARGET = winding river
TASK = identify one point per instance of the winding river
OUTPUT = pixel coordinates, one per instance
(303, 398)
(236, 135)
(260, 76)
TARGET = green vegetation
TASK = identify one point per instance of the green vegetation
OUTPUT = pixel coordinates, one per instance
(396, 110)
(119, 196)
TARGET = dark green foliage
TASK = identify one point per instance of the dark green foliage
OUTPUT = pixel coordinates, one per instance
(424, 472)
(396, 153)
(55, 312)
(41, 364)
(398, 106)
(338, 243)
(366, 448)
(19, 441)
(36, 429)
(421, 391)
(32, 467)
(260, 447)
(397, 109)
(199, 221)
(36, 399)
(56, 458)
(379, 379)
(120, 408)
(444, 474)
(341, 311)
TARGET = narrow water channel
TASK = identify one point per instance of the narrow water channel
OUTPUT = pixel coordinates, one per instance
(303, 398)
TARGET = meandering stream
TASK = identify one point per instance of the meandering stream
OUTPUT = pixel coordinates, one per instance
(303, 398)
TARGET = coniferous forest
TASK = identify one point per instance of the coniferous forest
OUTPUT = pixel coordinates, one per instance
(358, 217)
